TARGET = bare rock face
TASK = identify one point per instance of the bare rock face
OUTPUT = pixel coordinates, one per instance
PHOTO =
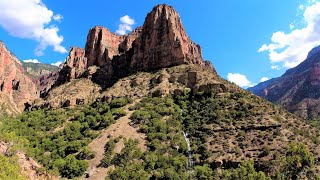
(14, 84)
(161, 42)
(46, 82)
(164, 42)
(101, 46)
(75, 65)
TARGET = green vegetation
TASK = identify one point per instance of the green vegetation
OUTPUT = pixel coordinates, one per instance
(296, 159)
(245, 171)
(120, 102)
(203, 172)
(163, 121)
(9, 168)
(109, 147)
(58, 139)
(160, 120)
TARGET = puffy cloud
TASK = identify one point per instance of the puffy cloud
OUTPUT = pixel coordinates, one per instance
(125, 25)
(30, 19)
(292, 48)
(263, 79)
(31, 61)
(239, 79)
(57, 63)
(57, 17)
(291, 26)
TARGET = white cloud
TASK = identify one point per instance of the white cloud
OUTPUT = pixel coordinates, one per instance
(301, 7)
(276, 67)
(57, 63)
(239, 79)
(125, 25)
(263, 79)
(30, 19)
(57, 17)
(31, 61)
(291, 26)
(127, 20)
(292, 48)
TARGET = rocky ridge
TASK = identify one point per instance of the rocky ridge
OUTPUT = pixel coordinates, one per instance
(161, 42)
(297, 89)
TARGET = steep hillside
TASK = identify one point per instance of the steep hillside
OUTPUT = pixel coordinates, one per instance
(16, 88)
(225, 127)
(298, 89)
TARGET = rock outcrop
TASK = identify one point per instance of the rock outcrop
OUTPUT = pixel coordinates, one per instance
(161, 42)
(75, 65)
(16, 89)
(102, 45)
(164, 42)
(297, 89)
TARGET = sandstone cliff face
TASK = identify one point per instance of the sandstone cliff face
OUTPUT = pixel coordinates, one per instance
(15, 87)
(298, 89)
(164, 42)
(161, 42)
(75, 65)
(101, 46)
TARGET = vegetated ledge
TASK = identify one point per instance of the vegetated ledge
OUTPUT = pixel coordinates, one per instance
(248, 128)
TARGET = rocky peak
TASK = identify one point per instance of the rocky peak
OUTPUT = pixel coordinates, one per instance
(161, 42)
(164, 42)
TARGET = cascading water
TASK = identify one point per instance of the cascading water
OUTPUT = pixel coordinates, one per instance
(191, 163)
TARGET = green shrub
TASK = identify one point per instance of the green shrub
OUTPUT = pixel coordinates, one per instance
(203, 172)
(86, 154)
(9, 168)
(120, 102)
(118, 113)
(72, 167)
(296, 159)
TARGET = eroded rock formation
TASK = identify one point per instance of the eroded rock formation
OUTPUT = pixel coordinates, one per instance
(161, 42)
(16, 88)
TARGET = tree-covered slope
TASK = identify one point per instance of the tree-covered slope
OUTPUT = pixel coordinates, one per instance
(197, 133)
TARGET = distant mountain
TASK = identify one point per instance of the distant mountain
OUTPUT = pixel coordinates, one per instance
(297, 89)
(36, 70)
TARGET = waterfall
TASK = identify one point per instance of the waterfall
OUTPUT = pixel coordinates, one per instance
(191, 163)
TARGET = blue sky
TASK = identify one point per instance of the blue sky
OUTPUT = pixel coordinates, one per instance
(230, 32)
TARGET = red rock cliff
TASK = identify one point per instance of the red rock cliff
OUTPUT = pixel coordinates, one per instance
(15, 87)
(161, 42)
(164, 42)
